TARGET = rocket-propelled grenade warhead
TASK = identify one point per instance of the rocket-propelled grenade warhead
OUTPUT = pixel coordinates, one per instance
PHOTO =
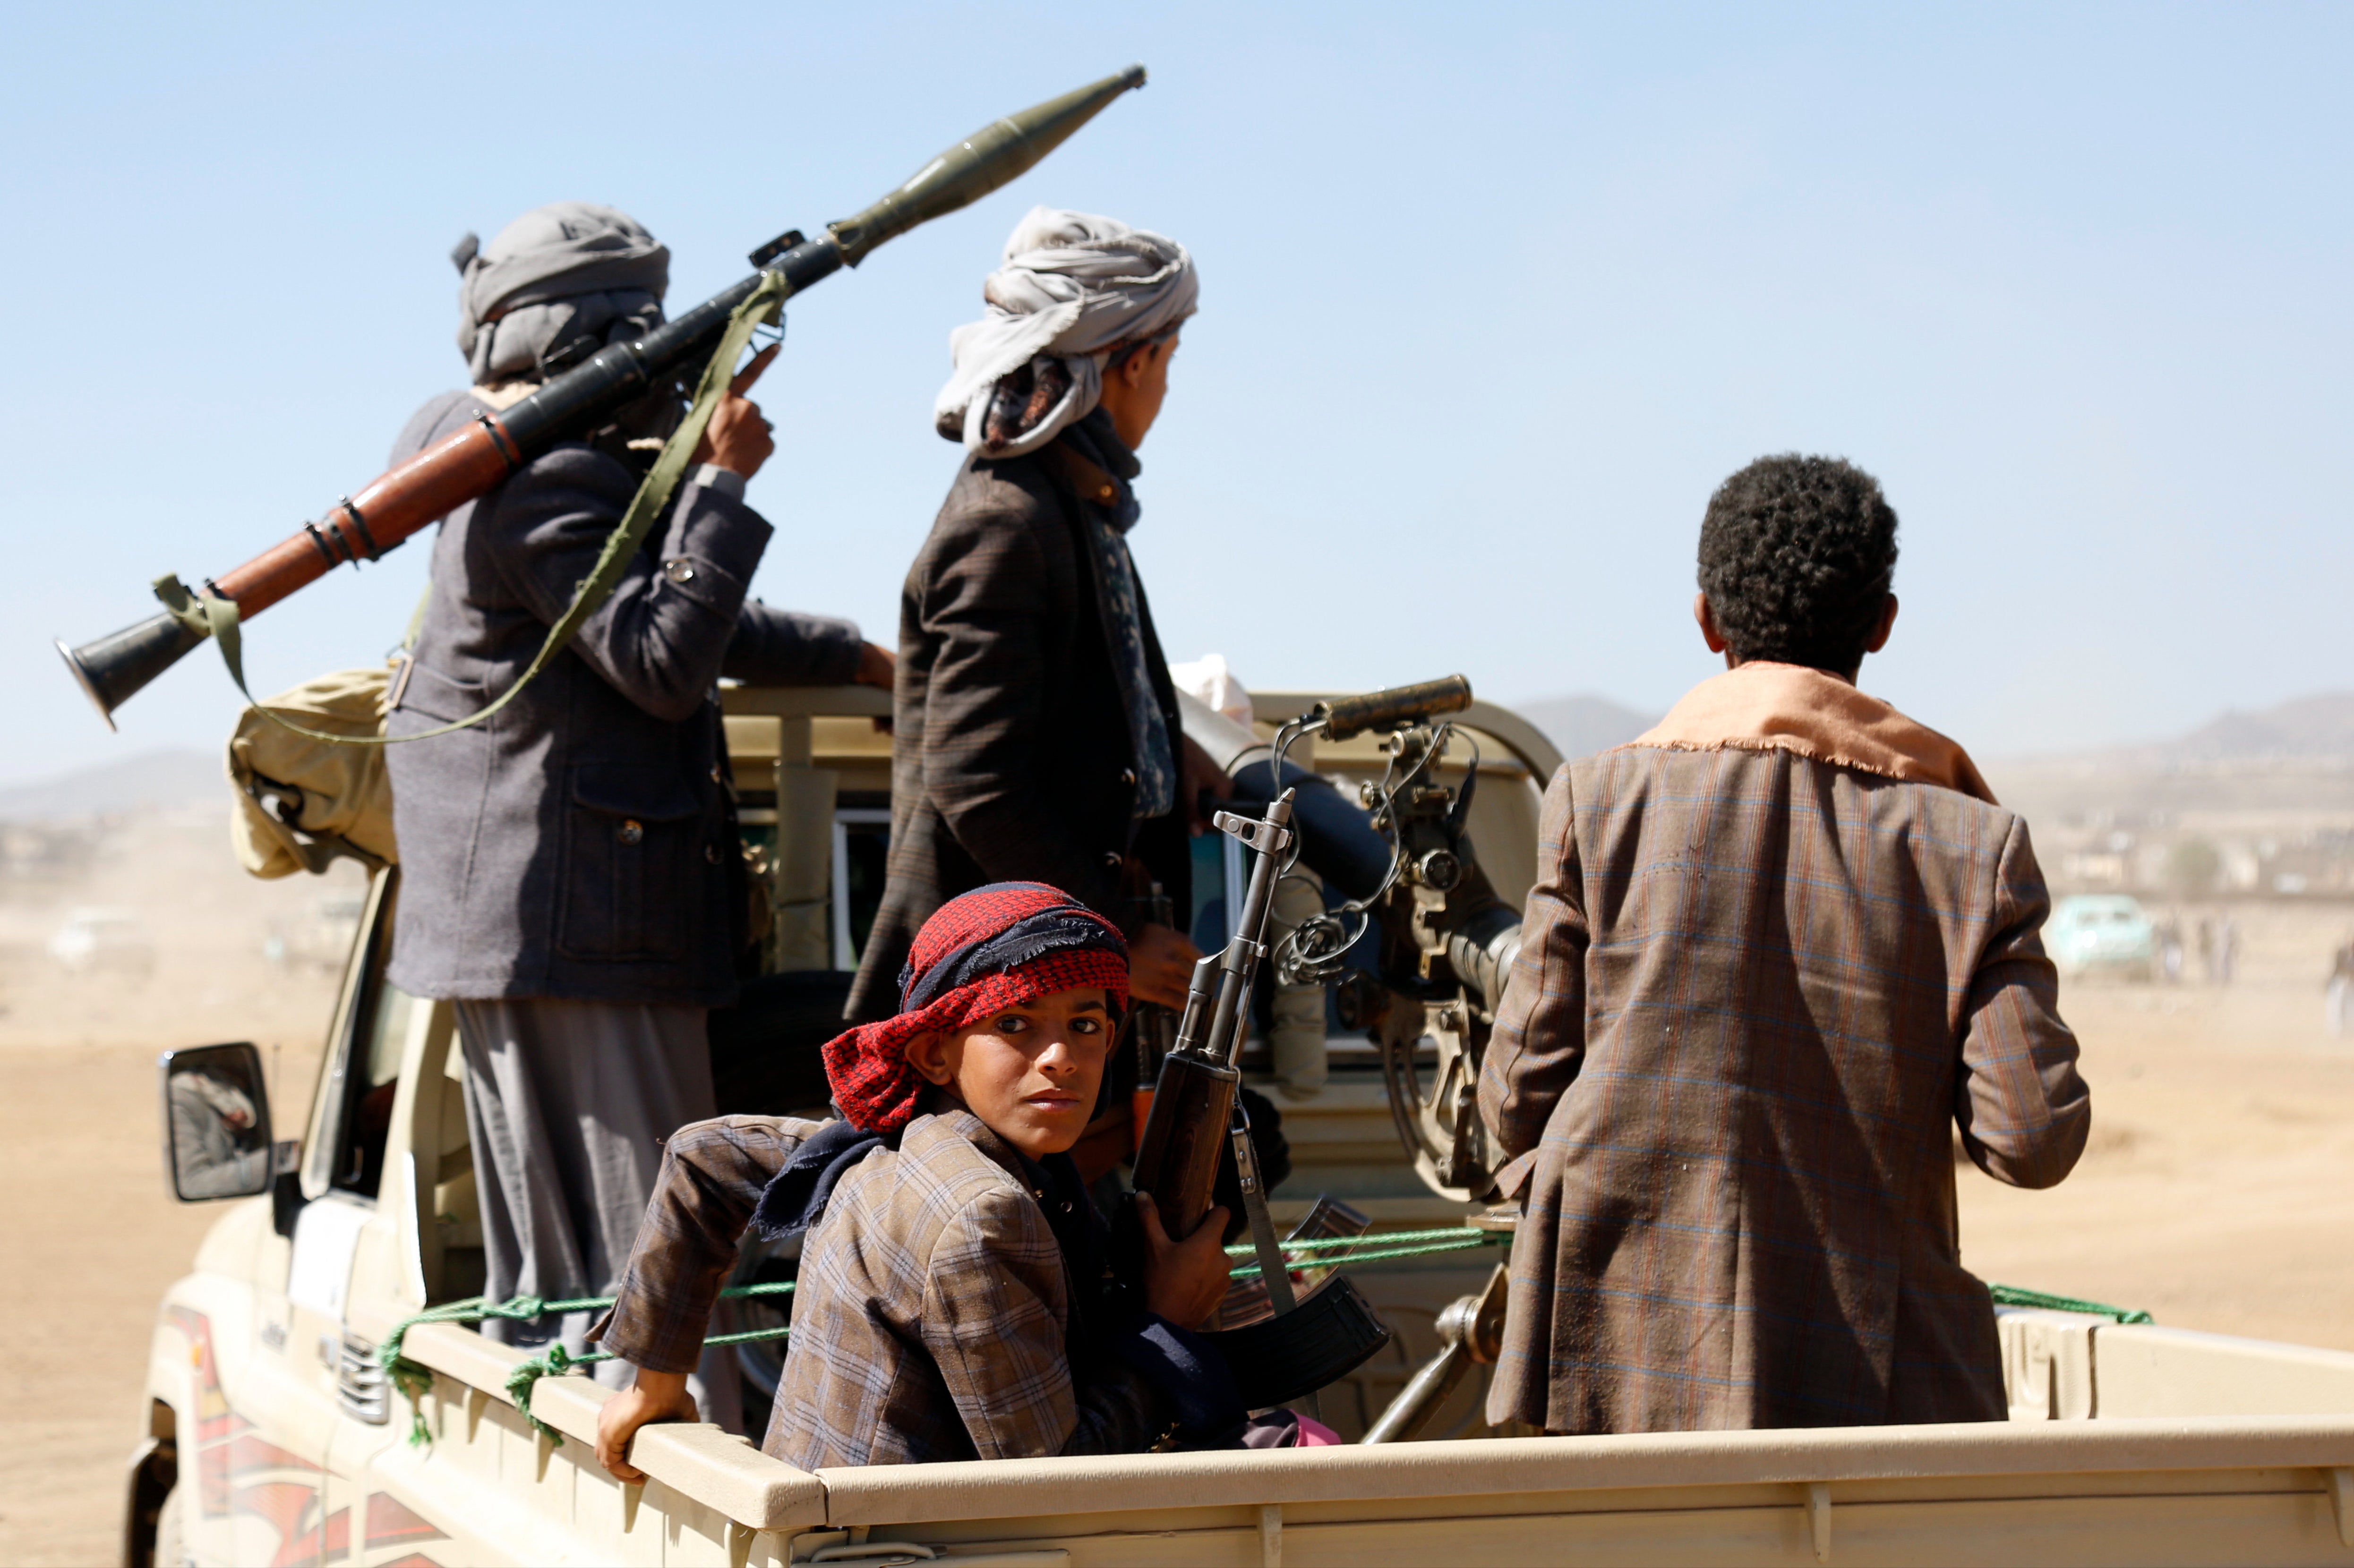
(419, 492)
(997, 154)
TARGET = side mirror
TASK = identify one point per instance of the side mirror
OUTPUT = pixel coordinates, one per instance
(216, 1123)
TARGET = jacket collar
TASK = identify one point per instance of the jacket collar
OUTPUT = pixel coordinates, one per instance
(1098, 467)
(956, 1121)
(1764, 707)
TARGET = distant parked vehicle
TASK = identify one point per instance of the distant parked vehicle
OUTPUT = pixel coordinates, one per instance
(2102, 933)
(108, 940)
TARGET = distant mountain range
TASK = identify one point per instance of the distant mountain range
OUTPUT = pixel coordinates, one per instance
(1582, 726)
(143, 781)
(2300, 732)
(2317, 728)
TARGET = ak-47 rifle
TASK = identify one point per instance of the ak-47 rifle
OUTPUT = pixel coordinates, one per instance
(1197, 1114)
(395, 505)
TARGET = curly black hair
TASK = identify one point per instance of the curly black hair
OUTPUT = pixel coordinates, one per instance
(1796, 554)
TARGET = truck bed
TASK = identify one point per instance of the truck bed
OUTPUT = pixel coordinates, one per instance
(2128, 1444)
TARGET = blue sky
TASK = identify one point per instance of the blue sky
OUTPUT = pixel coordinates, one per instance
(1493, 298)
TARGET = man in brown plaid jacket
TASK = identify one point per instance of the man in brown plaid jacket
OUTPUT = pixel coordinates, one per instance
(1776, 948)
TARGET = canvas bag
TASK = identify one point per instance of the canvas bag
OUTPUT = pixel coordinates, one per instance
(309, 763)
(303, 802)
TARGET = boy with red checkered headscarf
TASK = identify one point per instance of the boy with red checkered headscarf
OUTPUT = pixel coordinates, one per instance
(954, 1299)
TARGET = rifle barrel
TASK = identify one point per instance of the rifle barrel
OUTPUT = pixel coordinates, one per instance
(1394, 705)
(1238, 965)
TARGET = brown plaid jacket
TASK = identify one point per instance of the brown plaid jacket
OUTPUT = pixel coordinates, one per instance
(930, 1317)
(712, 1174)
(1754, 992)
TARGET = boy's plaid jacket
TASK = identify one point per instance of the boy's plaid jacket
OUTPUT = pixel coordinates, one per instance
(931, 1318)
(1757, 992)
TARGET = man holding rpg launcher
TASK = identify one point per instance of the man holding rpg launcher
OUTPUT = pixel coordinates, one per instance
(570, 874)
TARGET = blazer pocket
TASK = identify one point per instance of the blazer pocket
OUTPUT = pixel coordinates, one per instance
(632, 852)
(432, 698)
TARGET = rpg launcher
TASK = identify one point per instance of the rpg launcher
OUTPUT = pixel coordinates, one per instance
(411, 497)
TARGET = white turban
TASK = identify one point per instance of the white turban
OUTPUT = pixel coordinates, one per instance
(1073, 288)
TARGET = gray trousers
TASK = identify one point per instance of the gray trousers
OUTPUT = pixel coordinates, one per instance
(568, 1103)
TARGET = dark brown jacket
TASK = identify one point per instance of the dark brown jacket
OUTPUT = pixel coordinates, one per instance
(1011, 755)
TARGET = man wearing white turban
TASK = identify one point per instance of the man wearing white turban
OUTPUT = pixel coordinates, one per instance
(1075, 289)
(1036, 735)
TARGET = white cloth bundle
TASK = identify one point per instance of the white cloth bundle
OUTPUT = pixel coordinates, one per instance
(1073, 287)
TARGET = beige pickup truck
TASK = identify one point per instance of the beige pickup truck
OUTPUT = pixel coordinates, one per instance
(273, 1437)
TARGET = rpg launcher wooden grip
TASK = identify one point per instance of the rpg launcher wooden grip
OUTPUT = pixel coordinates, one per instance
(386, 512)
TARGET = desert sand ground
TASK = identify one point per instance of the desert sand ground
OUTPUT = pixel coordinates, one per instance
(2218, 1192)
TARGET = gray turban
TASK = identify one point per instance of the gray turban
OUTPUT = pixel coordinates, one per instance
(1073, 288)
(557, 284)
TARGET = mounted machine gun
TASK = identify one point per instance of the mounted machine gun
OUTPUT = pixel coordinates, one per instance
(1443, 941)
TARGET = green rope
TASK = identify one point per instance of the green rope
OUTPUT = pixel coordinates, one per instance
(2019, 1296)
(1453, 1235)
(554, 1361)
(414, 1381)
(1380, 1246)
(1377, 1248)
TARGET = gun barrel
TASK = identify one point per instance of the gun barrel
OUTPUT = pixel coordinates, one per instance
(1394, 705)
(460, 468)
(1239, 964)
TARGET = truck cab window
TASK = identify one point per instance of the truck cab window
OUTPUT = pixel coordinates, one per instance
(370, 1071)
(368, 1121)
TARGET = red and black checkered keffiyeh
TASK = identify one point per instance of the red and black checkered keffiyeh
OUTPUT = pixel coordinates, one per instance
(992, 948)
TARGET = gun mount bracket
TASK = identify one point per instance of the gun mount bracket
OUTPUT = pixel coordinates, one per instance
(1266, 838)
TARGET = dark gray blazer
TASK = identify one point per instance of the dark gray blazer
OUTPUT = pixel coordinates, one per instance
(579, 845)
(1011, 758)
